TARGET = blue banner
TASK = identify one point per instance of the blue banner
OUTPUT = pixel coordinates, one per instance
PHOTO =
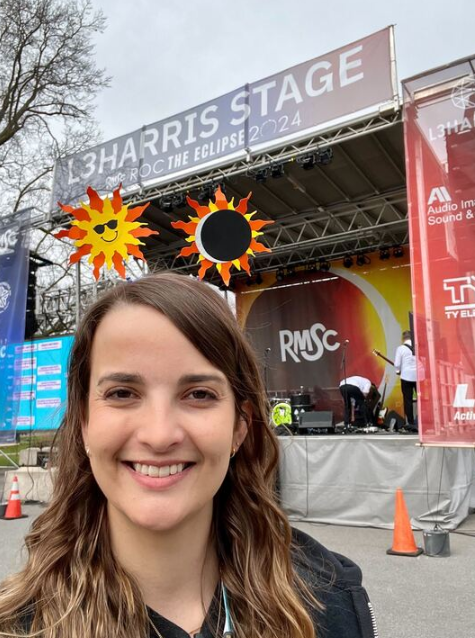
(14, 260)
(42, 385)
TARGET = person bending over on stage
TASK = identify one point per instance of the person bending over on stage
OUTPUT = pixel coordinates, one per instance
(406, 366)
(163, 521)
(354, 389)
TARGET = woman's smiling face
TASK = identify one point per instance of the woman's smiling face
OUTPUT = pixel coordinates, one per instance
(161, 421)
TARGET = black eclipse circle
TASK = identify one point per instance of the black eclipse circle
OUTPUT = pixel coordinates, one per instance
(226, 235)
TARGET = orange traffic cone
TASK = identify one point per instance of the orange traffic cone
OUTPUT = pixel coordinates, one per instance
(404, 543)
(14, 503)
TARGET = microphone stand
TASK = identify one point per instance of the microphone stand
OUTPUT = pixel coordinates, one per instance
(347, 427)
(266, 369)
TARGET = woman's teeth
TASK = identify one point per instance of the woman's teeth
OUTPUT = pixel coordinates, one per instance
(160, 472)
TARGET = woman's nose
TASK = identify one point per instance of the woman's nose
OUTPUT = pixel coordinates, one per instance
(159, 425)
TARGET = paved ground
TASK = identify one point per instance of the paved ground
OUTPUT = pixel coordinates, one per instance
(422, 597)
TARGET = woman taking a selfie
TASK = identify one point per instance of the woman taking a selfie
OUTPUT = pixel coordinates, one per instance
(163, 521)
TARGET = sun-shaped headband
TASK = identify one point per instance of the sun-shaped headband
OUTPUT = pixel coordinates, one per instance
(107, 231)
(222, 234)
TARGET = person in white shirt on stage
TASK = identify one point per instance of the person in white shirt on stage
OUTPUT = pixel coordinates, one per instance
(357, 389)
(406, 366)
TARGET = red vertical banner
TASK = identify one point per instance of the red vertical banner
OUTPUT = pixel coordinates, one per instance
(439, 126)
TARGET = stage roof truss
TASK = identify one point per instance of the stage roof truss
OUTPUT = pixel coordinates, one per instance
(355, 204)
(287, 153)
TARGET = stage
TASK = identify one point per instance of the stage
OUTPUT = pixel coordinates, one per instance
(352, 479)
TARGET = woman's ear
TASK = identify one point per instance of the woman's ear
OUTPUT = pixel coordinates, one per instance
(243, 423)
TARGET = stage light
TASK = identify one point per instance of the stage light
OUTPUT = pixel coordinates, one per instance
(325, 156)
(398, 251)
(322, 157)
(307, 162)
(166, 204)
(277, 171)
(290, 271)
(348, 262)
(259, 279)
(323, 265)
(179, 200)
(384, 254)
(205, 194)
(312, 266)
(260, 175)
(362, 260)
(280, 274)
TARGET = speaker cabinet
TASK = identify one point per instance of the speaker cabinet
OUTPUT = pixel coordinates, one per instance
(315, 420)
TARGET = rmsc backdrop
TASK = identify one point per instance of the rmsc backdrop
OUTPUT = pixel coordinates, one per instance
(306, 318)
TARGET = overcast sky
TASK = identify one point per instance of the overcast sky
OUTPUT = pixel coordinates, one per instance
(165, 56)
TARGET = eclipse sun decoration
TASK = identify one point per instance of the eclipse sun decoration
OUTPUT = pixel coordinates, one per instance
(222, 234)
(106, 230)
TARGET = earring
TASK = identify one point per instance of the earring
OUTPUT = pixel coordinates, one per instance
(87, 451)
(233, 452)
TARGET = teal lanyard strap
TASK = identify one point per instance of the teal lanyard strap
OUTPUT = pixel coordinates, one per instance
(228, 623)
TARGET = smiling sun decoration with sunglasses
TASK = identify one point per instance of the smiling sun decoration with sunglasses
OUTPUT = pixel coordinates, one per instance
(106, 230)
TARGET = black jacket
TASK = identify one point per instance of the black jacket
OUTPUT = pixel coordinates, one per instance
(335, 581)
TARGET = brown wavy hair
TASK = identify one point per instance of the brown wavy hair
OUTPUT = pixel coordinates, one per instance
(72, 586)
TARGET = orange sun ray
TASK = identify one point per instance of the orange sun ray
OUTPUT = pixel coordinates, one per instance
(256, 247)
(79, 213)
(225, 272)
(143, 232)
(244, 261)
(189, 250)
(205, 264)
(94, 199)
(202, 211)
(220, 199)
(135, 251)
(188, 227)
(242, 206)
(81, 252)
(260, 223)
(72, 233)
(134, 213)
(116, 200)
(98, 263)
(119, 264)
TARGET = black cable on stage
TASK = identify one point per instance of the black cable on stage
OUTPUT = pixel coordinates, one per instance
(436, 524)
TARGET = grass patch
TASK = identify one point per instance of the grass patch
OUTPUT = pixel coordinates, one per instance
(41, 440)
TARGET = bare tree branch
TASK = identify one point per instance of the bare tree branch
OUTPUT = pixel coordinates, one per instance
(48, 83)
(46, 61)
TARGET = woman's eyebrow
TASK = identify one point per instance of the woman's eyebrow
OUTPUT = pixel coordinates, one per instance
(202, 378)
(122, 377)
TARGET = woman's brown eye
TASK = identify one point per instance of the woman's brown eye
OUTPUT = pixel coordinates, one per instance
(119, 394)
(201, 395)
